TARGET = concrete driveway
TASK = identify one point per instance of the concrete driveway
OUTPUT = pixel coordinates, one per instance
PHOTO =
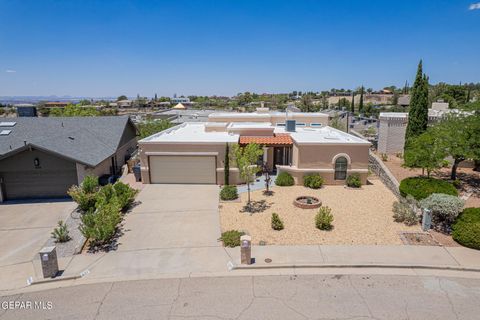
(25, 227)
(173, 216)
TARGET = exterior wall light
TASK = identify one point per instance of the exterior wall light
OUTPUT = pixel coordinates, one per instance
(36, 162)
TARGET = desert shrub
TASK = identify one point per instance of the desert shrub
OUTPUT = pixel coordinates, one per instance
(384, 157)
(284, 179)
(354, 181)
(229, 193)
(422, 187)
(404, 211)
(100, 225)
(60, 233)
(231, 238)
(466, 229)
(313, 181)
(277, 223)
(444, 208)
(85, 194)
(324, 218)
(125, 194)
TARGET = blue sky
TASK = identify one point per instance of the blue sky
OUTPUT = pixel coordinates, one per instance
(108, 48)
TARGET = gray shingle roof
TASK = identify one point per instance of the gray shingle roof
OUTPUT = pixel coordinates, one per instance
(87, 140)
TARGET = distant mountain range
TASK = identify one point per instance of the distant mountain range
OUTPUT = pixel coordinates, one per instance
(36, 99)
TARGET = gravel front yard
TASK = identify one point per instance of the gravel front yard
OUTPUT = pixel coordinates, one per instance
(361, 216)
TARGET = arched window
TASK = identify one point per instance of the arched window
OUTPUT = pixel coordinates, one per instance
(341, 168)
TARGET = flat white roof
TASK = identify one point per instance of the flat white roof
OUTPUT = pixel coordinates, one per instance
(194, 132)
(323, 135)
(191, 132)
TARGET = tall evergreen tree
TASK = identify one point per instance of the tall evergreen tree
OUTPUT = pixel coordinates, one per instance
(360, 105)
(353, 102)
(418, 114)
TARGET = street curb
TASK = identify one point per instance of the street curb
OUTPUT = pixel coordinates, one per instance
(49, 280)
(360, 266)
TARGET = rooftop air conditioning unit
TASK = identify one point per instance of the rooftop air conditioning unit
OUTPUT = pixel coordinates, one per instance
(290, 125)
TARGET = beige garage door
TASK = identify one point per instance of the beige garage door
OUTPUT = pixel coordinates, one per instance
(182, 169)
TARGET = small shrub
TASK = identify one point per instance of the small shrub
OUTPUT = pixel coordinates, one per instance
(125, 194)
(384, 157)
(60, 233)
(284, 179)
(399, 155)
(445, 209)
(324, 218)
(457, 183)
(403, 211)
(354, 181)
(90, 184)
(466, 229)
(277, 223)
(229, 193)
(231, 238)
(422, 187)
(313, 181)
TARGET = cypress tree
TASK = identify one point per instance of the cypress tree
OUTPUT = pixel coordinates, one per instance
(360, 105)
(418, 114)
(227, 166)
(353, 102)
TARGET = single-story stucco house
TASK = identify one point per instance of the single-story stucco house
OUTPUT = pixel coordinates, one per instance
(295, 142)
(44, 157)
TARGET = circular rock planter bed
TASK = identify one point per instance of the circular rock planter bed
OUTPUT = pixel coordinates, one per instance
(307, 202)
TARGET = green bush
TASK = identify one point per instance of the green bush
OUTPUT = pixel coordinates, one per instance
(60, 233)
(101, 225)
(313, 181)
(445, 209)
(277, 223)
(284, 179)
(354, 180)
(125, 194)
(229, 193)
(231, 238)
(422, 187)
(324, 218)
(84, 194)
(466, 229)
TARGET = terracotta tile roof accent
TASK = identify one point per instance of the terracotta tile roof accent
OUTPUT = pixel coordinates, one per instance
(278, 139)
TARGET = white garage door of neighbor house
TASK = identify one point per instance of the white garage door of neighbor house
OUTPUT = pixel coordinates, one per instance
(183, 169)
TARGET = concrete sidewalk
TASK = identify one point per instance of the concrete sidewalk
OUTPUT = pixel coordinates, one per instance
(400, 255)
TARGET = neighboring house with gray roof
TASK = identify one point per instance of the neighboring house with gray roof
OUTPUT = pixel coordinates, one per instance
(43, 157)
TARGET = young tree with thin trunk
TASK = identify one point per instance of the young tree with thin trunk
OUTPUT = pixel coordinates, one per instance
(425, 152)
(246, 159)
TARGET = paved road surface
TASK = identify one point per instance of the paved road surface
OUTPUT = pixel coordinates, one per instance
(262, 297)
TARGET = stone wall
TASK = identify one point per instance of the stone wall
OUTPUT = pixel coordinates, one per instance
(380, 169)
(376, 165)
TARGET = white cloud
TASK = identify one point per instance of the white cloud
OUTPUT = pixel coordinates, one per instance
(10, 71)
(474, 6)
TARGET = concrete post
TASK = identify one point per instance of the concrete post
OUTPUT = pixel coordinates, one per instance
(246, 249)
(48, 258)
(426, 219)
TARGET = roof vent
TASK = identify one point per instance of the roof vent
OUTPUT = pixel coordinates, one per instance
(71, 138)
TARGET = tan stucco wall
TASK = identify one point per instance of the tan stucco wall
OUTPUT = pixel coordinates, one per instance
(320, 159)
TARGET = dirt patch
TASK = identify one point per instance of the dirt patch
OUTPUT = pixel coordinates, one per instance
(360, 216)
(418, 239)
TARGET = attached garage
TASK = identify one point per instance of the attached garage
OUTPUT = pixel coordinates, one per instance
(182, 169)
